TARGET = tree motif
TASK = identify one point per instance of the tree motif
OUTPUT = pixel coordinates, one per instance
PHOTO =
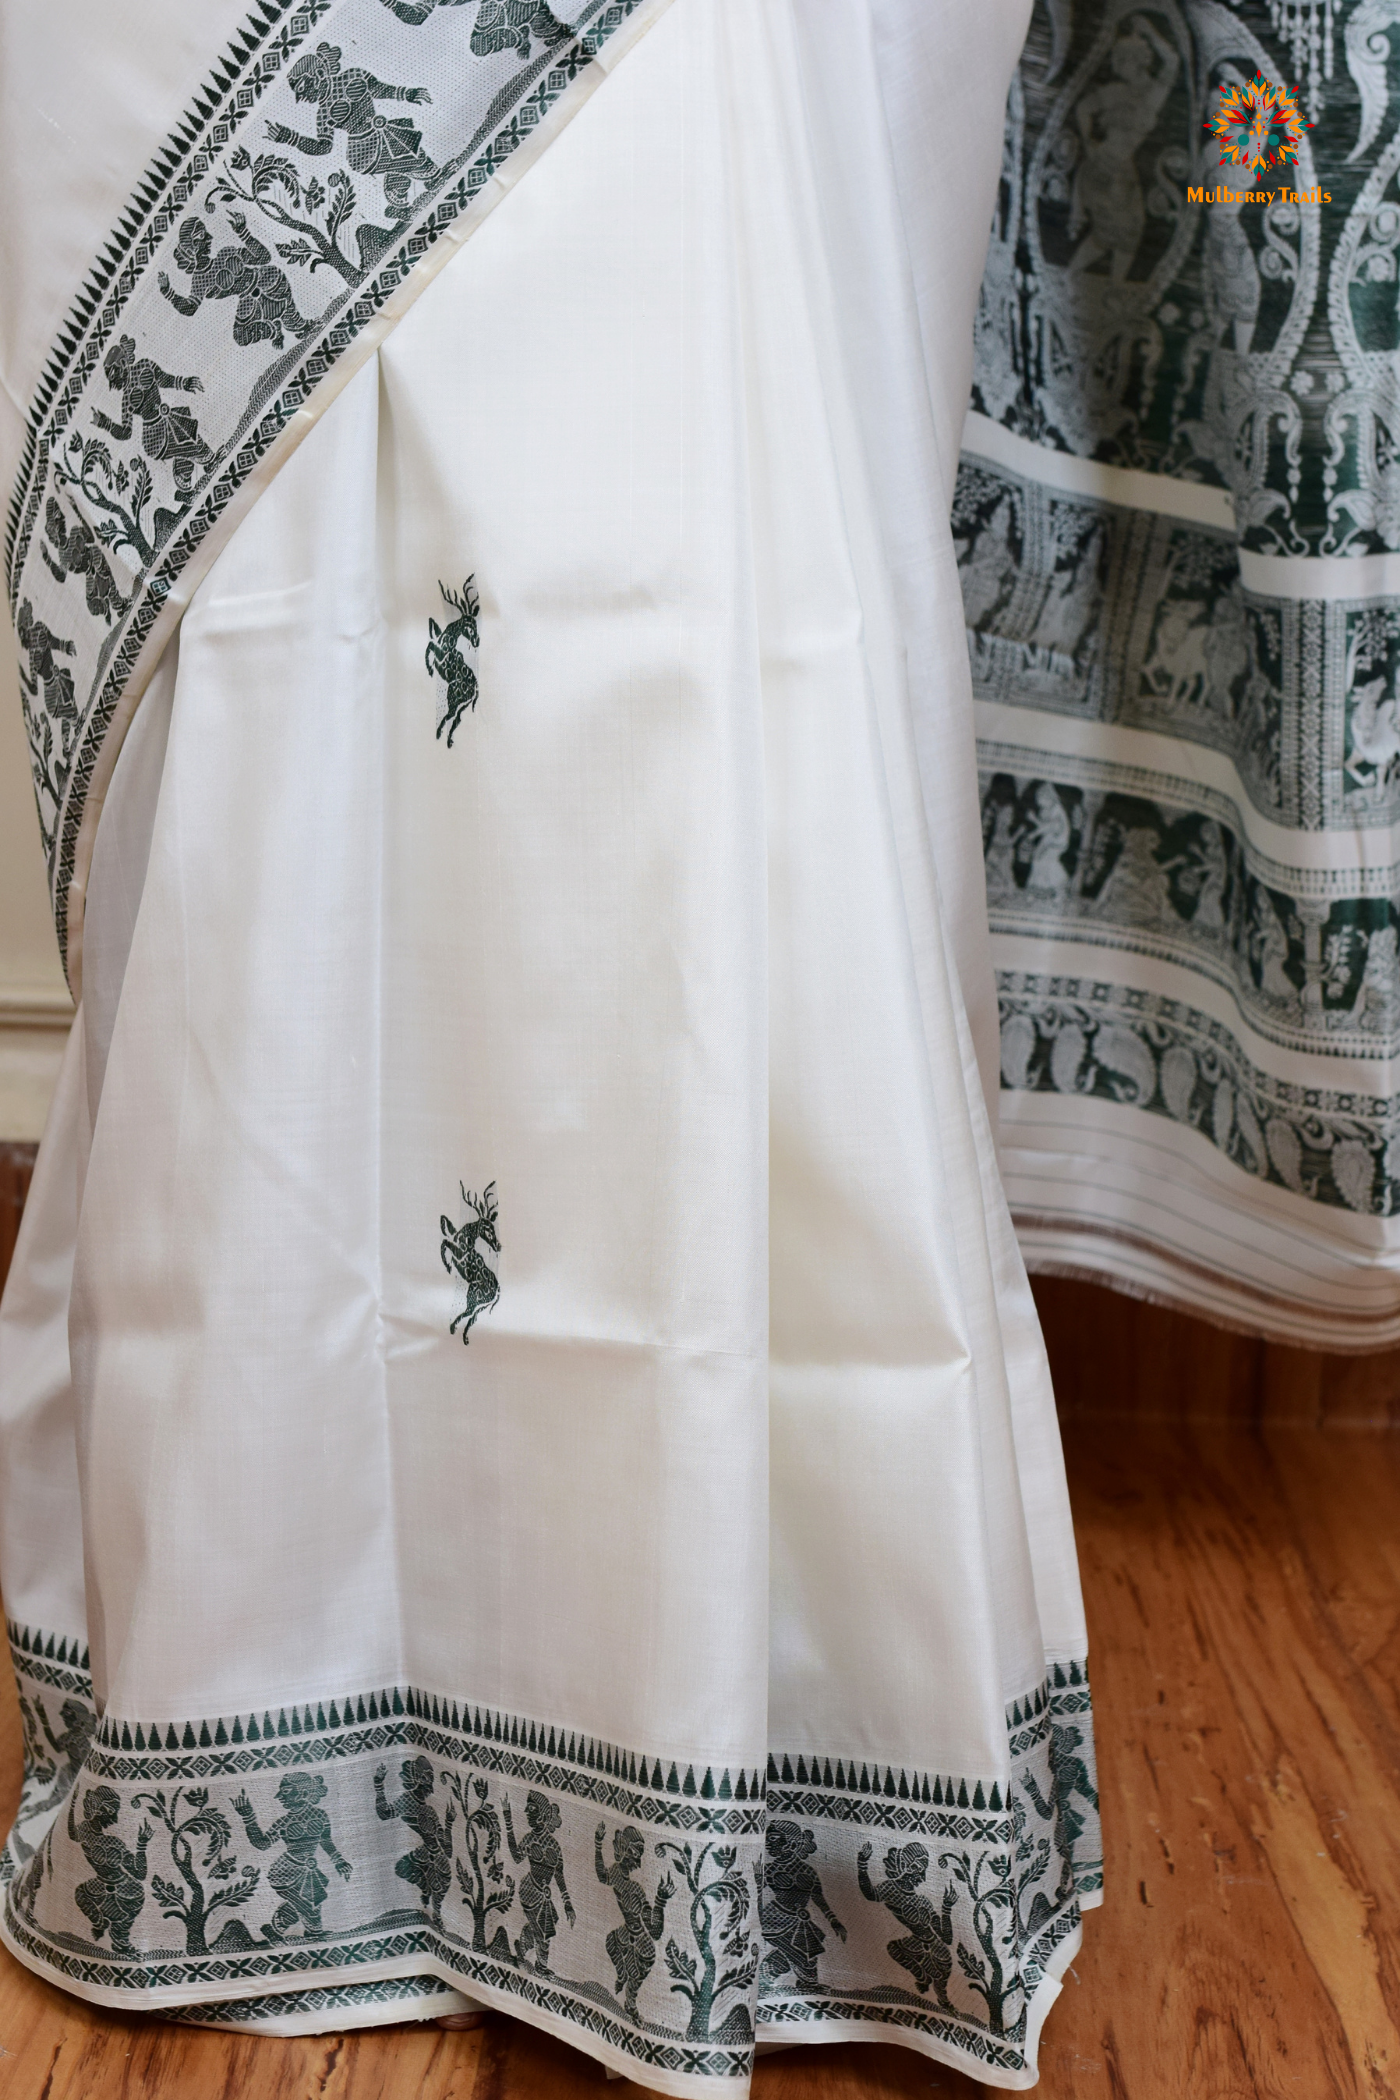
(123, 492)
(719, 1909)
(483, 1880)
(998, 1918)
(272, 186)
(199, 1825)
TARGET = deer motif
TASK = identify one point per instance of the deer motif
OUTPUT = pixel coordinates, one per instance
(460, 1256)
(443, 660)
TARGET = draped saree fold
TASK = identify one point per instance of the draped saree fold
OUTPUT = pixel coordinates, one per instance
(529, 1468)
(1178, 533)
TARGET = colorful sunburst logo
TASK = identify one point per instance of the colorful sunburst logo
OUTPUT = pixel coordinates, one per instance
(1258, 124)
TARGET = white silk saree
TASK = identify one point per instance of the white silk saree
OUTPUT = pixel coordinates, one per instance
(529, 1470)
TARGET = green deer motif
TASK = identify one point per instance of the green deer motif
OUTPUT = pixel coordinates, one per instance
(460, 1256)
(443, 660)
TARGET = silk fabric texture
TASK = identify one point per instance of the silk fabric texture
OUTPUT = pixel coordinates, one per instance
(1183, 602)
(638, 1639)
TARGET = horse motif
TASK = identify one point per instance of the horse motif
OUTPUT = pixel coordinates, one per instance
(460, 1256)
(443, 660)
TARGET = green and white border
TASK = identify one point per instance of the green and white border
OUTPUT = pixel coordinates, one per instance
(157, 504)
(352, 1859)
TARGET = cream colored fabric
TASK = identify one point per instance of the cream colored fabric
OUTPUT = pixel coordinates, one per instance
(752, 1460)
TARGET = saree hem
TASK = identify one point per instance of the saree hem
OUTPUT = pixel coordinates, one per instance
(454, 1842)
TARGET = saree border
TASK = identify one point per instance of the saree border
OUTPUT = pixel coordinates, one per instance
(134, 534)
(708, 1900)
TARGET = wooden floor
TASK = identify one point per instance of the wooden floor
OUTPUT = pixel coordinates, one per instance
(1238, 1513)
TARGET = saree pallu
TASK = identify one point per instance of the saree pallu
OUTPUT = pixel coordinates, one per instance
(530, 1475)
(1178, 531)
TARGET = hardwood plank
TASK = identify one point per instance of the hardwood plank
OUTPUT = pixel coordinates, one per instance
(1361, 1389)
(1337, 1392)
(1251, 1767)
(1291, 1383)
(1115, 1355)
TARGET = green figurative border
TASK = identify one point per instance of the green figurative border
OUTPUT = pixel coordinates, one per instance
(181, 363)
(1088, 1037)
(1236, 346)
(662, 1907)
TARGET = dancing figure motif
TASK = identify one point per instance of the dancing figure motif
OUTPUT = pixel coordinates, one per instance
(1070, 1776)
(297, 1875)
(429, 1867)
(388, 148)
(501, 25)
(112, 1901)
(927, 1953)
(632, 1946)
(508, 25)
(266, 311)
(70, 1747)
(55, 681)
(540, 1853)
(77, 551)
(1048, 834)
(786, 1887)
(1108, 213)
(168, 434)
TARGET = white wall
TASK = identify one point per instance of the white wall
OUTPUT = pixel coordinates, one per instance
(34, 1004)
